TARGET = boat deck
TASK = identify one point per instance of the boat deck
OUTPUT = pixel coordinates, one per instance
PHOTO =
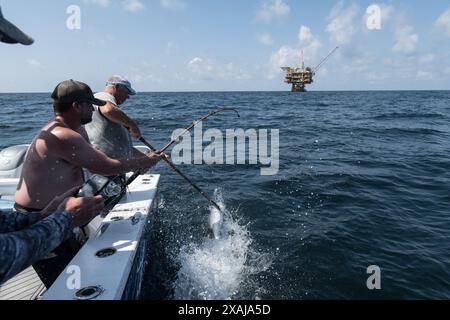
(25, 286)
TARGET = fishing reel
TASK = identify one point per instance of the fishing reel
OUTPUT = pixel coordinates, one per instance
(107, 187)
(110, 188)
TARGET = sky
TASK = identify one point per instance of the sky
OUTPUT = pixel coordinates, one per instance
(227, 45)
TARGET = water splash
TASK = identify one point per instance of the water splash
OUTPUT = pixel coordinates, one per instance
(217, 269)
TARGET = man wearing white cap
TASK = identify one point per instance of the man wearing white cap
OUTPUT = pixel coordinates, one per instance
(111, 129)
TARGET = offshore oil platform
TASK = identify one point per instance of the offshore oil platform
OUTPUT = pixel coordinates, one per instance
(299, 77)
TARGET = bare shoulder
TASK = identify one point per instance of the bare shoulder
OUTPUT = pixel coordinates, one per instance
(65, 133)
(60, 136)
(55, 141)
(108, 107)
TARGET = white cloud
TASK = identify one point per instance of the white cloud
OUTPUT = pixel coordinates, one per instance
(173, 4)
(424, 75)
(179, 76)
(141, 77)
(443, 22)
(133, 5)
(313, 44)
(406, 40)
(428, 58)
(200, 66)
(291, 57)
(129, 5)
(101, 3)
(323, 72)
(341, 27)
(360, 64)
(373, 77)
(233, 72)
(386, 12)
(137, 78)
(304, 34)
(265, 39)
(205, 69)
(34, 63)
(101, 42)
(284, 57)
(312, 50)
(398, 67)
(170, 47)
(273, 9)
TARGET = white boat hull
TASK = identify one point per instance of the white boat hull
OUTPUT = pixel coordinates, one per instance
(119, 233)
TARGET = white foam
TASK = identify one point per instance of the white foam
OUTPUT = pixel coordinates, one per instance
(216, 268)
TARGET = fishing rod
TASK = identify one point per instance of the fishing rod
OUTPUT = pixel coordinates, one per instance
(112, 201)
(172, 165)
(195, 122)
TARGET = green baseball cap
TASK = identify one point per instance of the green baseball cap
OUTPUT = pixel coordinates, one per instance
(75, 91)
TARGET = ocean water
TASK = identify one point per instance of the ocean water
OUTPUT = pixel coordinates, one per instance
(363, 180)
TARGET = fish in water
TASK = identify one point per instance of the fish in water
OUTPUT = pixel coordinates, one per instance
(214, 223)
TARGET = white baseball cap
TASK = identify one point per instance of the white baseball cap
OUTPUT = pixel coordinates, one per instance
(114, 80)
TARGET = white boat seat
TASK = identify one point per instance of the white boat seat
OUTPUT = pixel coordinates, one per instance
(11, 161)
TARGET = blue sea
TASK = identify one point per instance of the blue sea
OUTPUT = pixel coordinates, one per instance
(363, 180)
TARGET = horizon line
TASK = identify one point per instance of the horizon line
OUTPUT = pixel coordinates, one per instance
(256, 91)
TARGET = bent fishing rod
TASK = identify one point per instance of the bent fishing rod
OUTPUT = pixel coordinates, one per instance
(195, 122)
(113, 201)
(172, 165)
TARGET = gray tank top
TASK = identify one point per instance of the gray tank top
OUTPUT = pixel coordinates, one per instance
(109, 137)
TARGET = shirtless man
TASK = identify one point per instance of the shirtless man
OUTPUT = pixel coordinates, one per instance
(28, 238)
(54, 161)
